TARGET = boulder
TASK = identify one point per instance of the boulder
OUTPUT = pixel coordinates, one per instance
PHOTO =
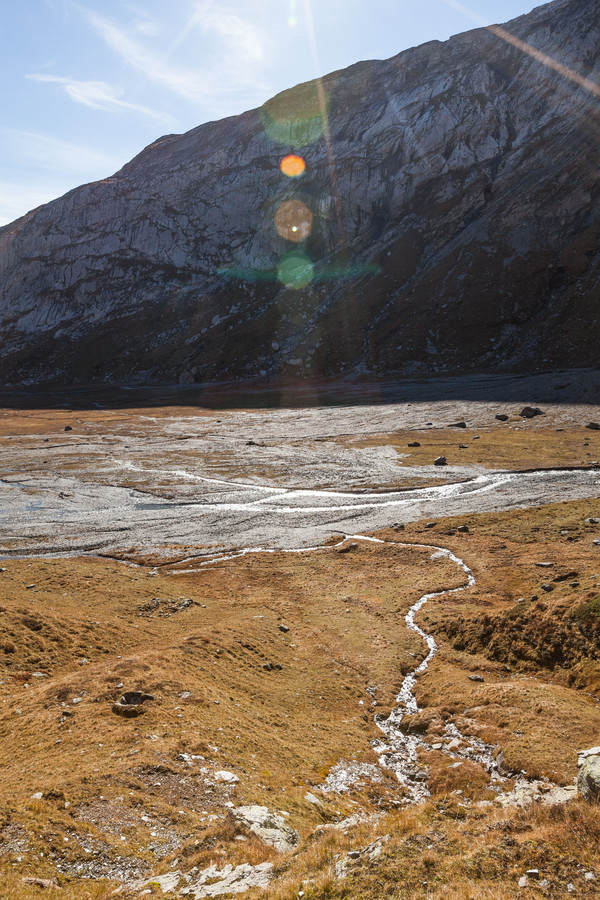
(593, 426)
(269, 827)
(440, 461)
(588, 780)
(502, 417)
(529, 412)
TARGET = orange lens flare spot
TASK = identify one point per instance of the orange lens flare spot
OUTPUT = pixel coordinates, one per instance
(292, 165)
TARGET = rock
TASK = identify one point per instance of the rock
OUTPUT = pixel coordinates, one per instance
(463, 447)
(68, 428)
(37, 796)
(414, 444)
(269, 827)
(523, 881)
(544, 565)
(226, 777)
(528, 792)
(284, 628)
(502, 417)
(135, 698)
(458, 425)
(529, 412)
(440, 461)
(272, 667)
(69, 278)
(571, 887)
(215, 882)
(533, 873)
(593, 426)
(583, 754)
(348, 548)
(41, 882)
(592, 521)
(588, 780)
(312, 799)
(476, 678)
(166, 883)
(589, 876)
(430, 525)
(464, 529)
(127, 711)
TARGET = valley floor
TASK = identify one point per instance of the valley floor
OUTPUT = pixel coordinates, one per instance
(223, 563)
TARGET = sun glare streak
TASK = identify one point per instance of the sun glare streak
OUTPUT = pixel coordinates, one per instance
(536, 54)
(292, 18)
(323, 107)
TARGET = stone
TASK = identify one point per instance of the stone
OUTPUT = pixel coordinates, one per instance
(523, 881)
(68, 428)
(135, 698)
(440, 461)
(414, 444)
(127, 711)
(284, 628)
(270, 827)
(166, 883)
(463, 447)
(593, 426)
(533, 873)
(476, 678)
(529, 412)
(215, 882)
(502, 417)
(527, 792)
(458, 425)
(583, 754)
(589, 876)
(464, 529)
(226, 777)
(544, 565)
(588, 780)
(312, 799)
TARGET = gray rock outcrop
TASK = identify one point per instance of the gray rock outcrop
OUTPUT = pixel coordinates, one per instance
(449, 219)
(588, 780)
(269, 827)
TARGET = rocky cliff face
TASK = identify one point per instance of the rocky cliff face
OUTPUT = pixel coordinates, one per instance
(448, 219)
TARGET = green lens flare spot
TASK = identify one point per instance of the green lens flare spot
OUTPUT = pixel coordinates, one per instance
(295, 270)
(296, 118)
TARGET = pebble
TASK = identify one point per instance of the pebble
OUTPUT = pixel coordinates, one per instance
(523, 881)
(589, 876)
(476, 678)
(284, 628)
(440, 461)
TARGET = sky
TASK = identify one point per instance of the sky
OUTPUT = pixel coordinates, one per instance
(86, 84)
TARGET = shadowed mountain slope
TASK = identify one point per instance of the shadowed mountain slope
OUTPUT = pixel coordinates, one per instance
(449, 219)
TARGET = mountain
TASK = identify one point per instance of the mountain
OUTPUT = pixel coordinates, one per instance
(448, 220)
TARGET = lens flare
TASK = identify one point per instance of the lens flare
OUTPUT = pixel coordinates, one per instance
(292, 18)
(295, 270)
(293, 221)
(292, 165)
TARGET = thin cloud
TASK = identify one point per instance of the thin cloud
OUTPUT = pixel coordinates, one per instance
(236, 65)
(95, 94)
(56, 155)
